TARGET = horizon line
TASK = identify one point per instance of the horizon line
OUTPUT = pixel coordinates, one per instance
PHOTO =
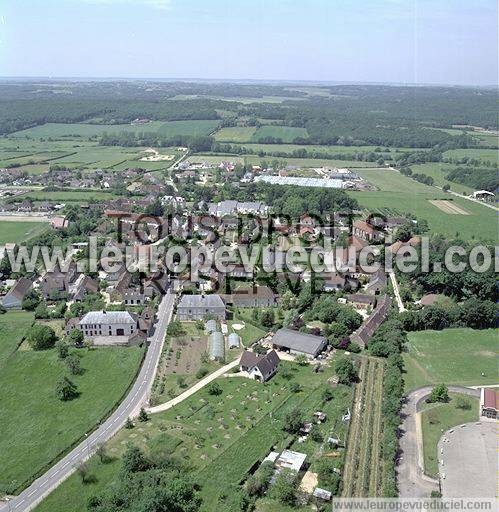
(274, 81)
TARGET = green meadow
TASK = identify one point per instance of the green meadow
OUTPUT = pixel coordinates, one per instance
(31, 412)
(16, 232)
(452, 356)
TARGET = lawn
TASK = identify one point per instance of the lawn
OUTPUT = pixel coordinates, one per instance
(235, 134)
(436, 418)
(37, 427)
(284, 133)
(221, 437)
(13, 231)
(451, 356)
(481, 224)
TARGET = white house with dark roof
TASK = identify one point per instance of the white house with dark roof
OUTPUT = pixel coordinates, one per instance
(260, 368)
(196, 307)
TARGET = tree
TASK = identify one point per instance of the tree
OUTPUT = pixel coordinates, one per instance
(73, 364)
(101, 452)
(42, 311)
(143, 416)
(65, 390)
(175, 328)
(301, 359)
(62, 349)
(284, 488)
(293, 421)
(31, 300)
(462, 403)
(214, 389)
(82, 470)
(295, 387)
(134, 460)
(326, 474)
(258, 483)
(345, 370)
(316, 434)
(439, 393)
(76, 337)
(327, 395)
(267, 318)
(41, 337)
(129, 424)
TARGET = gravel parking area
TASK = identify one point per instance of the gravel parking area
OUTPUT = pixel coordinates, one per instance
(468, 462)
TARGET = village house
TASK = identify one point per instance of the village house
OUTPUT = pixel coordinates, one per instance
(362, 229)
(256, 296)
(56, 282)
(196, 307)
(363, 334)
(14, 297)
(260, 368)
(361, 301)
(109, 328)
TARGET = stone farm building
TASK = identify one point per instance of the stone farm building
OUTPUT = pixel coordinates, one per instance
(298, 343)
(196, 307)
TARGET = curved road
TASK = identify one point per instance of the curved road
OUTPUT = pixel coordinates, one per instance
(412, 482)
(136, 398)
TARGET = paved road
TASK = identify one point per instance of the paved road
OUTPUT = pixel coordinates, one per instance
(412, 482)
(136, 398)
(194, 389)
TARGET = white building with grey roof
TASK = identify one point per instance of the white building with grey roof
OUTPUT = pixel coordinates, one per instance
(108, 323)
(197, 307)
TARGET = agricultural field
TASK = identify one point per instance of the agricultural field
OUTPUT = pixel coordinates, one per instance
(289, 148)
(284, 133)
(362, 474)
(486, 139)
(419, 205)
(83, 130)
(221, 437)
(235, 134)
(451, 356)
(78, 196)
(194, 128)
(489, 155)
(388, 180)
(29, 416)
(438, 171)
(439, 417)
(16, 232)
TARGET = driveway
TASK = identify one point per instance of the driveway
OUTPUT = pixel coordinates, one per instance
(412, 482)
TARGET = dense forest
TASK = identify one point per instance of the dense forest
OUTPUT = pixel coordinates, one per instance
(476, 177)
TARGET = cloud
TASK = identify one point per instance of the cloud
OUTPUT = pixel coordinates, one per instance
(155, 4)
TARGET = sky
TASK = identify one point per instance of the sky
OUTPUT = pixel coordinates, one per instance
(397, 41)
